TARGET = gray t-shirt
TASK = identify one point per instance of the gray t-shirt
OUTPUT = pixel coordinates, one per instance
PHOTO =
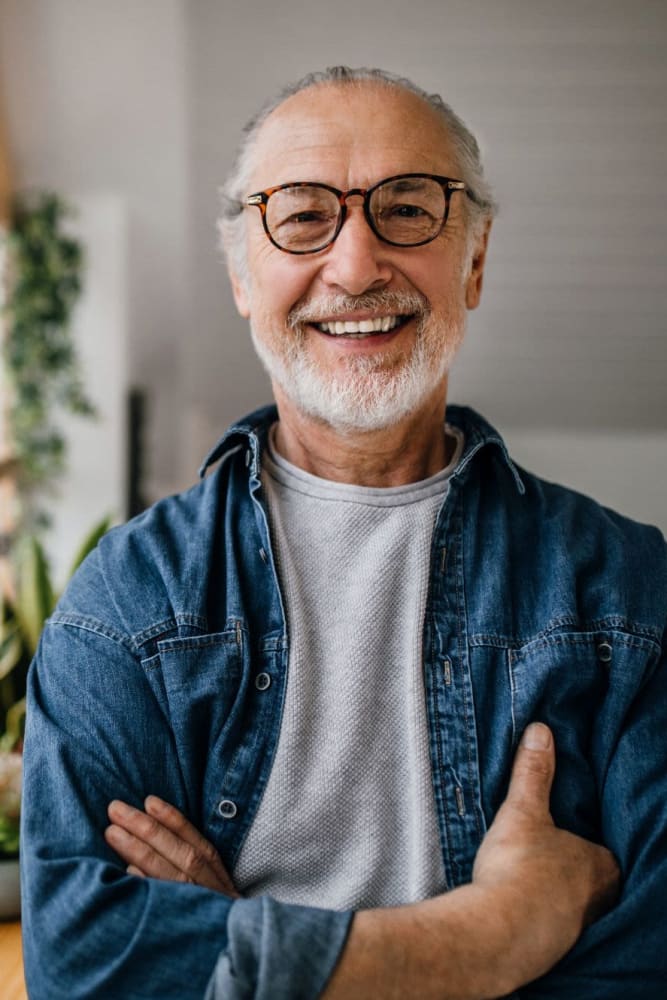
(348, 819)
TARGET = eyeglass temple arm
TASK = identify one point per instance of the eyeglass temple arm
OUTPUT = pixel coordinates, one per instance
(462, 186)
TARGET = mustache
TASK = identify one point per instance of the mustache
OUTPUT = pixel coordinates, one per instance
(383, 302)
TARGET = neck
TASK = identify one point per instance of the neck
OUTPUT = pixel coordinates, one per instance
(411, 450)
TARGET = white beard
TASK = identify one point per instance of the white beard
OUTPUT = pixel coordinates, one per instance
(365, 394)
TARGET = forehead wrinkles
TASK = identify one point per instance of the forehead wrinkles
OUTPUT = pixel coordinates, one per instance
(350, 128)
(297, 147)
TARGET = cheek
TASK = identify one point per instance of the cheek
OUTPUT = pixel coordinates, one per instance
(444, 291)
(270, 303)
(277, 286)
(448, 291)
(439, 270)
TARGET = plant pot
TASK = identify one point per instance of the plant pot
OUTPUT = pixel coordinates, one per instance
(10, 895)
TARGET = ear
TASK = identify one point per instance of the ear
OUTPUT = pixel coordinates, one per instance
(240, 293)
(473, 291)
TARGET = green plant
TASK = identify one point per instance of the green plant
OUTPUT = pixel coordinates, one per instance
(40, 365)
(21, 621)
(10, 803)
(44, 283)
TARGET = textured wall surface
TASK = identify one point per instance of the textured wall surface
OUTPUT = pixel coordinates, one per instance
(96, 104)
(145, 101)
(570, 102)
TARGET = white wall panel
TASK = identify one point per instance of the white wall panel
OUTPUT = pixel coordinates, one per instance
(145, 101)
(95, 482)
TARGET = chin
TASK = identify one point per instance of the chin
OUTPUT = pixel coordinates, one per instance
(366, 397)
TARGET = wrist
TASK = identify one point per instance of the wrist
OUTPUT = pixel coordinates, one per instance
(457, 946)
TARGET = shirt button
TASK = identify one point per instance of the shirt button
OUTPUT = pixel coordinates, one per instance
(227, 809)
(604, 652)
(262, 682)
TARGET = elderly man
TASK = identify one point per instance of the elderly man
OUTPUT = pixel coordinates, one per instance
(313, 671)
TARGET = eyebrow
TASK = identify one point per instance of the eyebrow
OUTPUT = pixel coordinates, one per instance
(407, 184)
(292, 191)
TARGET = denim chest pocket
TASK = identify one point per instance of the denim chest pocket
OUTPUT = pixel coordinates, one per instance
(201, 682)
(558, 680)
(580, 684)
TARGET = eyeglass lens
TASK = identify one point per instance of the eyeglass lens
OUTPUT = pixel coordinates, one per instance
(405, 211)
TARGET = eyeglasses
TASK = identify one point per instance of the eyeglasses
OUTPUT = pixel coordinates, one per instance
(406, 210)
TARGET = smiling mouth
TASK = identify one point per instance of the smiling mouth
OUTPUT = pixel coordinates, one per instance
(363, 327)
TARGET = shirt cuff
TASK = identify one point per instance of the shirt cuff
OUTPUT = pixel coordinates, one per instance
(277, 951)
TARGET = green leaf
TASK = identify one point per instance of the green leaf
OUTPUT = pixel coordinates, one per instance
(35, 600)
(38, 351)
(6, 618)
(15, 726)
(9, 836)
(89, 543)
(11, 651)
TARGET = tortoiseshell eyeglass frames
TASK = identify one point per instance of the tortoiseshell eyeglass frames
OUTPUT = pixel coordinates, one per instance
(406, 210)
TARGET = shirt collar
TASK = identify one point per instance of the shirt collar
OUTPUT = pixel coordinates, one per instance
(251, 432)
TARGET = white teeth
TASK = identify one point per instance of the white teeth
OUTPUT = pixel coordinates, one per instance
(382, 324)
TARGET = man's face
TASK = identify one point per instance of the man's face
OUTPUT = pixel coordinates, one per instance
(349, 137)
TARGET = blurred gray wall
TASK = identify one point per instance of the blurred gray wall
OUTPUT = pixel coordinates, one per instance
(144, 99)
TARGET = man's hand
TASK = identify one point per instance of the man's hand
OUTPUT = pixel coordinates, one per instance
(161, 843)
(524, 841)
(534, 889)
(559, 883)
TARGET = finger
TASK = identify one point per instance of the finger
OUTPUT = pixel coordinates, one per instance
(175, 821)
(162, 854)
(133, 870)
(154, 839)
(533, 771)
(140, 856)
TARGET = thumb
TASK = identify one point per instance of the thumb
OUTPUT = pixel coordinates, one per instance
(533, 770)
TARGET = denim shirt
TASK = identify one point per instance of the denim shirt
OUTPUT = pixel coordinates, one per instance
(163, 670)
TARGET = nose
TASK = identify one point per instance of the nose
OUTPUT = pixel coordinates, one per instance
(356, 261)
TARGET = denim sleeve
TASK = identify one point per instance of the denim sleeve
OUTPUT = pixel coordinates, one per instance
(94, 733)
(623, 956)
(312, 939)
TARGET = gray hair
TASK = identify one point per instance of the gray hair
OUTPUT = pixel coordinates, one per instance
(481, 207)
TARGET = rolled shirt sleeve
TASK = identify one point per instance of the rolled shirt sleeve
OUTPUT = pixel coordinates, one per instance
(277, 951)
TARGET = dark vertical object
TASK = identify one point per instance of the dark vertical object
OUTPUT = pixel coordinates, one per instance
(136, 418)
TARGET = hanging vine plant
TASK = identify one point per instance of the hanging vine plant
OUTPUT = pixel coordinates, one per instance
(44, 269)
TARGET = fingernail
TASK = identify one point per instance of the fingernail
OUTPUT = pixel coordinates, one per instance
(537, 736)
(119, 808)
(114, 834)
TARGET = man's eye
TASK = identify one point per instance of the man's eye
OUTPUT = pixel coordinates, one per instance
(407, 211)
(303, 218)
(309, 217)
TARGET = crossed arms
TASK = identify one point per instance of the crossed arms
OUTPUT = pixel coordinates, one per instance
(95, 731)
(534, 889)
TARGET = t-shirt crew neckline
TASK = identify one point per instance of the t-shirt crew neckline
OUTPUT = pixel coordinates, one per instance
(291, 476)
